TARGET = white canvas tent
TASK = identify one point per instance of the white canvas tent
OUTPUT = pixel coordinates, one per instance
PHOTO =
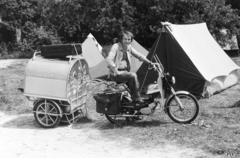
(92, 51)
(191, 54)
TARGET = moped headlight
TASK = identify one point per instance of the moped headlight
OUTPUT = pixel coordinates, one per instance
(173, 80)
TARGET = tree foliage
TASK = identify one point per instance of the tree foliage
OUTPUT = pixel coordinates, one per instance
(70, 21)
(235, 4)
(26, 16)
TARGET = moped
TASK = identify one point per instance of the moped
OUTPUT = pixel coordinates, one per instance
(181, 106)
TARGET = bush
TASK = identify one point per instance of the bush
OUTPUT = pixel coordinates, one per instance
(30, 43)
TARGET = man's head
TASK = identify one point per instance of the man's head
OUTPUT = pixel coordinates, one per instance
(126, 37)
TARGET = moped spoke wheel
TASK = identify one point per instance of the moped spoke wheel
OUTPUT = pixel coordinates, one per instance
(46, 114)
(188, 113)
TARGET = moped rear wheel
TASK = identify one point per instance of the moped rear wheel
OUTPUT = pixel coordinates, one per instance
(188, 113)
(112, 119)
(115, 119)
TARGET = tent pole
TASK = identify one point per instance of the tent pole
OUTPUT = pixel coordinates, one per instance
(151, 59)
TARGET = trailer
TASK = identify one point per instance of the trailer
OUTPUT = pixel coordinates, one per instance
(56, 88)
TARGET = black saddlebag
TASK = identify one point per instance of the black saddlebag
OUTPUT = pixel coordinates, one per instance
(108, 103)
(60, 50)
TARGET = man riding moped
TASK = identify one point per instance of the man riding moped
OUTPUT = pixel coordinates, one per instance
(119, 62)
(181, 106)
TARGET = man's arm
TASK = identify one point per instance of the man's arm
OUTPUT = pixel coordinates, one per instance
(111, 57)
(141, 57)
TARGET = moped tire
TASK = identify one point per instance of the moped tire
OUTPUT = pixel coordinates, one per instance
(111, 119)
(115, 119)
(186, 115)
(46, 113)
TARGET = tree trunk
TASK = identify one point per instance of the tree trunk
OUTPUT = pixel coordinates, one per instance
(18, 35)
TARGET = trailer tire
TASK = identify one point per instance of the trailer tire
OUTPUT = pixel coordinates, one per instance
(47, 113)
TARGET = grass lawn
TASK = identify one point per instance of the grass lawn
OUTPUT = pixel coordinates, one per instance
(216, 130)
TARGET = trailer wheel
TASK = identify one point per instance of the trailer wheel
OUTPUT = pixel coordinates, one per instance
(46, 113)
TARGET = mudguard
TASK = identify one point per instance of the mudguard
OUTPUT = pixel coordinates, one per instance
(171, 96)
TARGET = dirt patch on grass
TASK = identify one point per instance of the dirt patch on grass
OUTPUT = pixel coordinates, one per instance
(21, 136)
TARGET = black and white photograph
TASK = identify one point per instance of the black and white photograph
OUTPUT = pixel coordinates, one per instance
(119, 78)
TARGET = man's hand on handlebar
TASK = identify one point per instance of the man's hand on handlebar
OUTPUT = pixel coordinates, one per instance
(153, 65)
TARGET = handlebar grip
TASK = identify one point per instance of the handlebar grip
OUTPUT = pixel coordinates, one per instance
(150, 68)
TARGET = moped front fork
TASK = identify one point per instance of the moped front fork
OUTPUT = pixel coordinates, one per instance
(175, 95)
(177, 99)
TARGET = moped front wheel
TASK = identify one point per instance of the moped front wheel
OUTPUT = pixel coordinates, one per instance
(185, 114)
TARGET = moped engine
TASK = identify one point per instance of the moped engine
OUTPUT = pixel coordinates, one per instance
(146, 110)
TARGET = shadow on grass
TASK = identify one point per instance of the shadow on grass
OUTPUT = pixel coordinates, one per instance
(21, 122)
(86, 123)
(84, 119)
(236, 105)
(29, 122)
(139, 124)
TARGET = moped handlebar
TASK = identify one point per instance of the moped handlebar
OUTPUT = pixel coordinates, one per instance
(157, 67)
(151, 67)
